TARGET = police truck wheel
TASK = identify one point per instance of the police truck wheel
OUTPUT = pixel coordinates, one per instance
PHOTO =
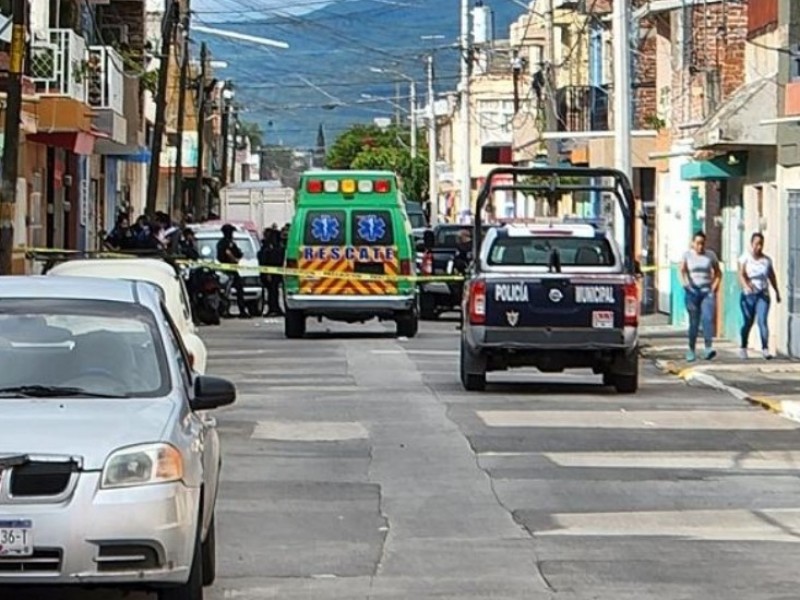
(473, 370)
(427, 307)
(627, 381)
(294, 324)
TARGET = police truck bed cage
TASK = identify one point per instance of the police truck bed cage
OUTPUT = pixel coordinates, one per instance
(550, 183)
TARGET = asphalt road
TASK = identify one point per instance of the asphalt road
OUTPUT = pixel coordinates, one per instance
(357, 467)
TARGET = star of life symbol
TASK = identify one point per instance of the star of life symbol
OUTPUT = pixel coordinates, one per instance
(371, 228)
(325, 228)
(513, 317)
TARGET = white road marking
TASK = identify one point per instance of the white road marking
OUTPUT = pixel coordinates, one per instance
(666, 419)
(770, 525)
(309, 431)
(678, 460)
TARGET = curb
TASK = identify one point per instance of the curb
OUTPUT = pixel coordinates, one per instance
(789, 409)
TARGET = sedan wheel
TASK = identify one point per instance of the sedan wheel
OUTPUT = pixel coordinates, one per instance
(209, 552)
(193, 588)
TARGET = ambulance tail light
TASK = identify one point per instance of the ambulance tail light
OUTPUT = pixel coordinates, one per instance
(383, 186)
(631, 305)
(291, 263)
(405, 268)
(315, 186)
(477, 303)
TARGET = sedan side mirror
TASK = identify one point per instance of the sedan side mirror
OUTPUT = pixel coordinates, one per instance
(212, 392)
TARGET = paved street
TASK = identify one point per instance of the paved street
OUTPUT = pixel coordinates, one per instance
(357, 467)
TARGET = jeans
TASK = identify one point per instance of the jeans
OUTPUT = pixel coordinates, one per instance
(701, 306)
(755, 307)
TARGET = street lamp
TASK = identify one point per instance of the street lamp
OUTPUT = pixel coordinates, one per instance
(413, 89)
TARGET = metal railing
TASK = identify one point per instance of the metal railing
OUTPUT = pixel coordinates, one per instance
(59, 65)
(106, 81)
(583, 108)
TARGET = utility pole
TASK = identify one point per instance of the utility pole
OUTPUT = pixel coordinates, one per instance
(173, 16)
(177, 199)
(466, 72)
(433, 149)
(8, 191)
(201, 128)
(551, 83)
(398, 118)
(226, 122)
(622, 104)
(413, 120)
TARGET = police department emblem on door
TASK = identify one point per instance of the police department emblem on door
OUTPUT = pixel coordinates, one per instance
(556, 295)
(513, 317)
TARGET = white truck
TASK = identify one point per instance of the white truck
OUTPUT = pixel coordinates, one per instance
(261, 203)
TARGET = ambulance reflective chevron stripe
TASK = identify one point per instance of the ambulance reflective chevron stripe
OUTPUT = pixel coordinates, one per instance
(345, 260)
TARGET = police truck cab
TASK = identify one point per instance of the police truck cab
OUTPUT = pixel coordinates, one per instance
(555, 294)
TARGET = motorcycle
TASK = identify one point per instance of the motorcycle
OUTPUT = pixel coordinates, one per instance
(206, 293)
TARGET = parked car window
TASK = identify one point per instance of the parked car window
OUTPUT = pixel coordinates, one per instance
(176, 347)
(101, 347)
(207, 246)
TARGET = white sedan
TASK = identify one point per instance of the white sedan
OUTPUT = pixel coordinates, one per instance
(155, 272)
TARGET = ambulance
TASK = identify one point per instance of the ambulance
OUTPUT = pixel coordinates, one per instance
(350, 223)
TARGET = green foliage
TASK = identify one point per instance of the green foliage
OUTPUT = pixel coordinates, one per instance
(149, 82)
(253, 131)
(369, 147)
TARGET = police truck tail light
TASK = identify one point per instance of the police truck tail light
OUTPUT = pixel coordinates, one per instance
(477, 302)
(383, 186)
(427, 263)
(331, 186)
(314, 186)
(365, 186)
(631, 305)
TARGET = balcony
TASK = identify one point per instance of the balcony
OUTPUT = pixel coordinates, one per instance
(59, 64)
(582, 108)
(106, 81)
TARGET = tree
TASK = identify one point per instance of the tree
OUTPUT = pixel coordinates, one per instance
(373, 148)
(254, 132)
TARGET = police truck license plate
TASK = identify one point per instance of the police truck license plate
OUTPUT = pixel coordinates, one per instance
(603, 319)
(16, 538)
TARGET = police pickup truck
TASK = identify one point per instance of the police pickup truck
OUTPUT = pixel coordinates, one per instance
(555, 295)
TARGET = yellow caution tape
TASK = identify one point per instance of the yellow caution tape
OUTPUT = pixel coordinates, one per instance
(281, 271)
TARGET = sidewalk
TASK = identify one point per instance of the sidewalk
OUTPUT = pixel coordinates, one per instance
(772, 384)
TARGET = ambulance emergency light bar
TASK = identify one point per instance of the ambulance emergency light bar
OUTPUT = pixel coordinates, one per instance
(348, 186)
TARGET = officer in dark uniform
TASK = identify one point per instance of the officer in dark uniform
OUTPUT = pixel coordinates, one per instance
(230, 254)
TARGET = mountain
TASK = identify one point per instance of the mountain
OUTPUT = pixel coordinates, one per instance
(325, 73)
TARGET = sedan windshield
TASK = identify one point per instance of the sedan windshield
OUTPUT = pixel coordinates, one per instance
(71, 348)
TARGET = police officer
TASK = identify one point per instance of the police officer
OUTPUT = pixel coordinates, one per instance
(230, 254)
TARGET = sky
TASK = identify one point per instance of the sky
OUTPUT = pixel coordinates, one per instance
(218, 10)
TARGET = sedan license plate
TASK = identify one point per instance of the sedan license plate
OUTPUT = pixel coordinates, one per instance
(603, 319)
(16, 538)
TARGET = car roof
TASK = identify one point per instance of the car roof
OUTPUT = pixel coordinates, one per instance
(146, 269)
(79, 288)
(576, 230)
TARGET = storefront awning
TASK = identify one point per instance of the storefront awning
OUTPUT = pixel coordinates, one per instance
(735, 123)
(105, 146)
(728, 166)
(77, 142)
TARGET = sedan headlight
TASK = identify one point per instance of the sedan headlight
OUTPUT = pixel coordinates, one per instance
(143, 465)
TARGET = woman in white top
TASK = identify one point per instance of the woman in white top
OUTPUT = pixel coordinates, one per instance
(756, 274)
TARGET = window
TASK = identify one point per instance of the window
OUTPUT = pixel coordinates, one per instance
(105, 348)
(372, 228)
(175, 346)
(207, 246)
(495, 121)
(794, 58)
(538, 252)
(325, 228)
